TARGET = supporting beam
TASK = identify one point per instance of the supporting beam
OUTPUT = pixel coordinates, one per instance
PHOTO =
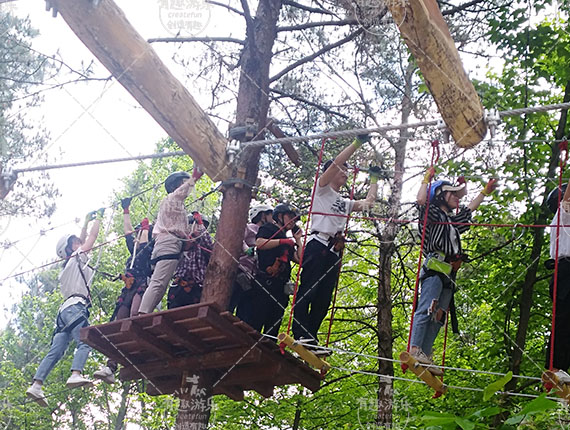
(108, 34)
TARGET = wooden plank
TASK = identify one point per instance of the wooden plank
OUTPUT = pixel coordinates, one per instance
(91, 337)
(551, 382)
(147, 340)
(234, 393)
(113, 40)
(243, 375)
(422, 373)
(427, 36)
(174, 332)
(304, 353)
(213, 317)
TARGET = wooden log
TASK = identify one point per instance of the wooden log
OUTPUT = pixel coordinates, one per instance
(147, 340)
(305, 354)
(428, 38)
(422, 373)
(287, 147)
(112, 39)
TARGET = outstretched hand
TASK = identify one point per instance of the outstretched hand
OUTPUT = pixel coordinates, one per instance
(490, 187)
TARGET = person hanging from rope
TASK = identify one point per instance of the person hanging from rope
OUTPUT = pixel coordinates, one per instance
(263, 306)
(137, 273)
(561, 353)
(75, 281)
(258, 216)
(443, 257)
(186, 288)
(321, 258)
(170, 232)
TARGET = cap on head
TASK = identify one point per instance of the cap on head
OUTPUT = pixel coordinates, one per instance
(256, 210)
(439, 187)
(553, 198)
(174, 180)
(63, 247)
(283, 208)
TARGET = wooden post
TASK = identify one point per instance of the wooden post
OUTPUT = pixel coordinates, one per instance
(108, 34)
(428, 37)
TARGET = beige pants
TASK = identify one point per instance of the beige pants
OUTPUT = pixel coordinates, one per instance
(163, 271)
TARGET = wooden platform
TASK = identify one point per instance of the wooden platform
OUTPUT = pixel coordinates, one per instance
(165, 347)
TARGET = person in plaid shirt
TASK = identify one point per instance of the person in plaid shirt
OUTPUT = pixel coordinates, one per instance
(186, 288)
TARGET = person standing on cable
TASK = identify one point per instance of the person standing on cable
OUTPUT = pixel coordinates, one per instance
(321, 258)
(262, 306)
(137, 273)
(561, 355)
(170, 232)
(443, 257)
(75, 281)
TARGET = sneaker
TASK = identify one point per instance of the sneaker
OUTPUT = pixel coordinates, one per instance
(562, 376)
(427, 363)
(75, 381)
(313, 346)
(36, 393)
(105, 374)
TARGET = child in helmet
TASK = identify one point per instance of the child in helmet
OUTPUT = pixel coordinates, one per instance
(258, 216)
(263, 306)
(561, 356)
(443, 257)
(170, 232)
(321, 258)
(75, 280)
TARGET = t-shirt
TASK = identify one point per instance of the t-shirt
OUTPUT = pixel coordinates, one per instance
(564, 236)
(329, 201)
(267, 258)
(440, 235)
(72, 282)
(172, 218)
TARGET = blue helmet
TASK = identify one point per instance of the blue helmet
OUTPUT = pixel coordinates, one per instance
(438, 187)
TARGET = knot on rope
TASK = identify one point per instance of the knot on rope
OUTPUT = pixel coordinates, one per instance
(563, 146)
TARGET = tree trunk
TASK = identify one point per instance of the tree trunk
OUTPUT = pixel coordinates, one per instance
(122, 412)
(252, 103)
(385, 338)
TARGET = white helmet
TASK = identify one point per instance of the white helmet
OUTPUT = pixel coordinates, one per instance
(62, 244)
(256, 210)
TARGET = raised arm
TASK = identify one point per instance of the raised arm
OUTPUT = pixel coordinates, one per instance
(489, 188)
(421, 198)
(90, 241)
(340, 159)
(127, 224)
(366, 204)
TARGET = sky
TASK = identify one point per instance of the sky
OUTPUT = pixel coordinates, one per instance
(86, 121)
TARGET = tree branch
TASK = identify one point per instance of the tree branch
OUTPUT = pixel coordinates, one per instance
(231, 9)
(307, 8)
(461, 7)
(310, 103)
(317, 24)
(316, 54)
(196, 39)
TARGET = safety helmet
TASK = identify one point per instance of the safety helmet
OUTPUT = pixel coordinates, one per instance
(439, 187)
(283, 208)
(174, 180)
(329, 163)
(256, 210)
(552, 199)
(62, 245)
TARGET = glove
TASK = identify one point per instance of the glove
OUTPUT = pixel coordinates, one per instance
(197, 173)
(461, 180)
(250, 251)
(100, 212)
(430, 173)
(374, 172)
(144, 224)
(490, 187)
(125, 203)
(90, 216)
(197, 217)
(360, 139)
(288, 242)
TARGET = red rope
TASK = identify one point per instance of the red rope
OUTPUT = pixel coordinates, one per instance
(563, 148)
(305, 237)
(434, 159)
(340, 262)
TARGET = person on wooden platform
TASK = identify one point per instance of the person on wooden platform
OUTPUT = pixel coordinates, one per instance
(443, 258)
(170, 232)
(258, 215)
(321, 258)
(137, 273)
(186, 287)
(75, 281)
(262, 306)
(561, 355)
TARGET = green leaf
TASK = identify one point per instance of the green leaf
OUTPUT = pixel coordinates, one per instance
(465, 424)
(487, 412)
(496, 386)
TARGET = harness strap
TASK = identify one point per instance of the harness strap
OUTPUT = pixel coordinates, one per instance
(153, 261)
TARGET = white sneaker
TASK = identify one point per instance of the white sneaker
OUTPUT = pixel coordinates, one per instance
(76, 380)
(562, 376)
(105, 374)
(36, 393)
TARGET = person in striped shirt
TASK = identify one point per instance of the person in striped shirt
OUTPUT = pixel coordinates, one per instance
(446, 220)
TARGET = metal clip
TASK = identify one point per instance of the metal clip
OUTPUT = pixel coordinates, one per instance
(492, 119)
(232, 149)
(445, 133)
(243, 133)
(51, 6)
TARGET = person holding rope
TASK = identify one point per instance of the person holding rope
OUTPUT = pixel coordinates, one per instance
(263, 306)
(75, 281)
(443, 257)
(186, 288)
(561, 341)
(170, 232)
(321, 258)
(137, 273)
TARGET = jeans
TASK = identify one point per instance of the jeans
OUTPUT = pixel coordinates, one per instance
(61, 340)
(433, 298)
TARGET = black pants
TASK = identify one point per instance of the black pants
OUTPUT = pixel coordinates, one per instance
(263, 306)
(319, 277)
(562, 320)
